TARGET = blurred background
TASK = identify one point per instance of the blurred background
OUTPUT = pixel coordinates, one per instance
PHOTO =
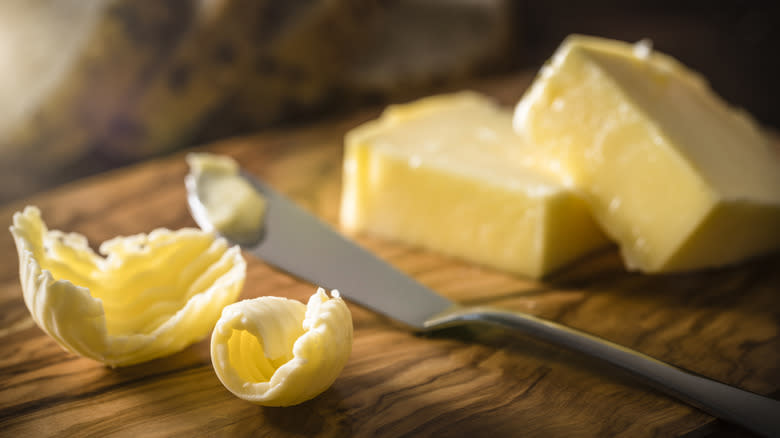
(86, 86)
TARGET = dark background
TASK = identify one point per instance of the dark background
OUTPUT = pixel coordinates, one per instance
(371, 53)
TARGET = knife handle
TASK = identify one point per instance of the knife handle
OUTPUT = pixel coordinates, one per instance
(752, 411)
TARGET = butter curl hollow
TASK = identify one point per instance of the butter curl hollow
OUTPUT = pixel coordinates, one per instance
(150, 296)
(275, 351)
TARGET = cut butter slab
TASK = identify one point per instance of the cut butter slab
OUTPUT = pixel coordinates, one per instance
(152, 294)
(448, 173)
(678, 178)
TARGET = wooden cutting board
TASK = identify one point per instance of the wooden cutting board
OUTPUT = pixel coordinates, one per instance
(724, 324)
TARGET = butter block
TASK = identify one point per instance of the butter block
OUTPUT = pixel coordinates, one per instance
(672, 173)
(448, 173)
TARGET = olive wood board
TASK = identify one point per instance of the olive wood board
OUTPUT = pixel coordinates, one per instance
(722, 323)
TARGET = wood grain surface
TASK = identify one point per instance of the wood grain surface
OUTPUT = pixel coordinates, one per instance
(461, 382)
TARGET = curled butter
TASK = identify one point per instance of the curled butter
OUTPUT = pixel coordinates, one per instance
(150, 296)
(275, 351)
(232, 206)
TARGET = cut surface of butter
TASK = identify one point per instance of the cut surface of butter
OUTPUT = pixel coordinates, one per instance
(673, 174)
(150, 296)
(449, 173)
(274, 351)
(233, 207)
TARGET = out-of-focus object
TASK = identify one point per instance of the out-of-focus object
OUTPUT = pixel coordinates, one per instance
(676, 176)
(417, 45)
(448, 173)
(150, 296)
(66, 67)
(115, 80)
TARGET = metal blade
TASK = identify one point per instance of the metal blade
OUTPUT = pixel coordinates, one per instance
(295, 241)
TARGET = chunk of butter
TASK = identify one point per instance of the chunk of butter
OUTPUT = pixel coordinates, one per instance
(678, 178)
(232, 206)
(275, 351)
(449, 173)
(150, 296)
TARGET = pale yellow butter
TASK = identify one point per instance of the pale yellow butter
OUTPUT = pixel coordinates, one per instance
(274, 351)
(150, 296)
(678, 178)
(233, 207)
(449, 173)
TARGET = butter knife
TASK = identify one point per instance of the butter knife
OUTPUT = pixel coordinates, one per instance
(296, 242)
